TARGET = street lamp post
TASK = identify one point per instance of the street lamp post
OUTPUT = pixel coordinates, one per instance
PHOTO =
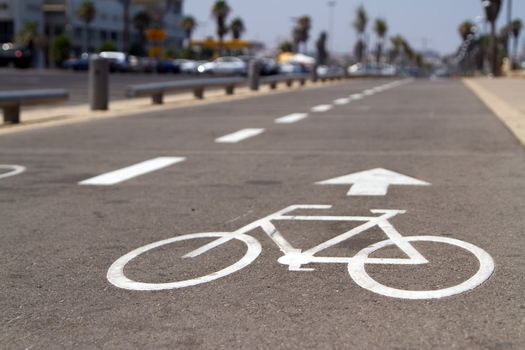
(331, 5)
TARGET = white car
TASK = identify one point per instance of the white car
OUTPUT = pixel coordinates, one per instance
(224, 65)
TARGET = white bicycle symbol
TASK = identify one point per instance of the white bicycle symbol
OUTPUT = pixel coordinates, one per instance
(295, 258)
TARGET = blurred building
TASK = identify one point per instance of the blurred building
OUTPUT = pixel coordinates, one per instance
(55, 17)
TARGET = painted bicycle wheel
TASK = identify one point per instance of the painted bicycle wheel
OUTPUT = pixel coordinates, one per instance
(357, 270)
(116, 276)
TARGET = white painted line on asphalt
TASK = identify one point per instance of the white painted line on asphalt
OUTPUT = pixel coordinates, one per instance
(342, 101)
(13, 170)
(368, 92)
(373, 182)
(291, 118)
(356, 96)
(132, 171)
(239, 135)
(321, 108)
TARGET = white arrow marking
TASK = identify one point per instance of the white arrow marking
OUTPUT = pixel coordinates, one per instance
(374, 182)
(132, 171)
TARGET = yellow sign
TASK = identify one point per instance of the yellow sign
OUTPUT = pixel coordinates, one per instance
(156, 35)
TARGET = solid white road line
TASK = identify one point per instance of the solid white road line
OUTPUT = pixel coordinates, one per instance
(368, 92)
(341, 101)
(291, 118)
(321, 108)
(356, 96)
(239, 135)
(132, 171)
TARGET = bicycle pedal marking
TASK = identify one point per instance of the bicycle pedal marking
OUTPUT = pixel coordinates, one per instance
(12, 170)
(295, 258)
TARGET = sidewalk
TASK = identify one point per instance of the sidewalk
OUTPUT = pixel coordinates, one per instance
(48, 116)
(506, 98)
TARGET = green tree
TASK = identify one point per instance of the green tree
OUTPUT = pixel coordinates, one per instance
(360, 27)
(141, 22)
(492, 9)
(380, 28)
(108, 46)
(125, 20)
(189, 24)
(516, 27)
(286, 46)
(87, 13)
(322, 54)
(304, 24)
(220, 12)
(465, 29)
(60, 48)
(237, 27)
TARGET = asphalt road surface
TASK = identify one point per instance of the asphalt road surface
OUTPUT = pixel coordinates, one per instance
(92, 193)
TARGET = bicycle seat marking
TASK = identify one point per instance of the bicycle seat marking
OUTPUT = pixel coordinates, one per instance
(295, 258)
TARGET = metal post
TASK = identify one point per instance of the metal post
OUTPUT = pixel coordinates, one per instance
(314, 76)
(230, 90)
(157, 99)
(11, 114)
(98, 89)
(254, 73)
(199, 93)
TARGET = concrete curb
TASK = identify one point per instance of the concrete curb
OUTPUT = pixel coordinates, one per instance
(510, 116)
(132, 107)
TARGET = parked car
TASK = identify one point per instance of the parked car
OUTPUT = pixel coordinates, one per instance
(141, 64)
(328, 70)
(372, 69)
(16, 55)
(167, 66)
(118, 61)
(292, 68)
(224, 65)
(78, 64)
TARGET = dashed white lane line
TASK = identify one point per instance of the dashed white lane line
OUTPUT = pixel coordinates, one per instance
(239, 135)
(356, 96)
(321, 108)
(368, 92)
(341, 101)
(291, 118)
(132, 171)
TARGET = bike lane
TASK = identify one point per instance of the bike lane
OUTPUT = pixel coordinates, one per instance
(451, 142)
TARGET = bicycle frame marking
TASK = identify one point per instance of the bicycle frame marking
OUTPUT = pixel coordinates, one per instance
(295, 258)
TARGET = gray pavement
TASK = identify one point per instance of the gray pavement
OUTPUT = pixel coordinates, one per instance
(58, 238)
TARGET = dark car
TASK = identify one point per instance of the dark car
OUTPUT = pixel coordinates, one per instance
(18, 56)
(167, 66)
(78, 64)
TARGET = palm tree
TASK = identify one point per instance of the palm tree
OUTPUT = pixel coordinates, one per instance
(381, 28)
(142, 21)
(516, 27)
(492, 8)
(220, 11)
(237, 28)
(87, 13)
(296, 38)
(125, 20)
(360, 26)
(465, 29)
(189, 24)
(304, 23)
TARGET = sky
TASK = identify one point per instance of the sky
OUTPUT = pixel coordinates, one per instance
(427, 24)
